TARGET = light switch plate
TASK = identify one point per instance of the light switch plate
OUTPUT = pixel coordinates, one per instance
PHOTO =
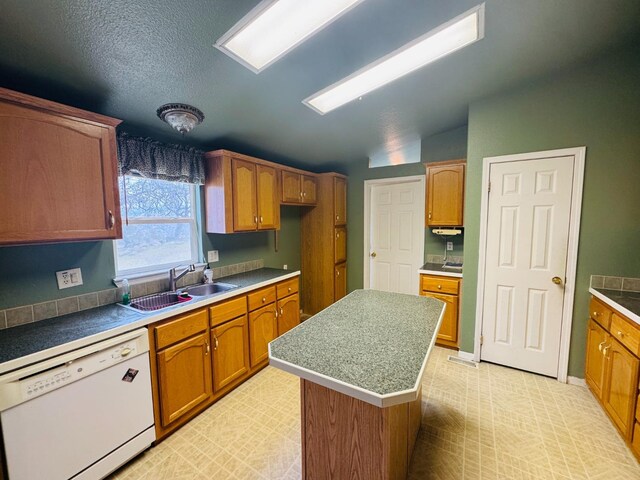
(69, 278)
(212, 256)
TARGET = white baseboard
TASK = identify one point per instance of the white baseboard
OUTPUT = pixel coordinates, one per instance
(576, 381)
(466, 355)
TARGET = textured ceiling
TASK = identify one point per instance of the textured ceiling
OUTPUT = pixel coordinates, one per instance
(124, 58)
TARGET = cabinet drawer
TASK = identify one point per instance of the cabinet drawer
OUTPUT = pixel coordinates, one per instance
(439, 285)
(261, 297)
(287, 288)
(180, 328)
(626, 333)
(600, 313)
(228, 310)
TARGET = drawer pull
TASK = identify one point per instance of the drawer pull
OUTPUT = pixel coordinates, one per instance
(596, 314)
(439, 287)
(289, 289)
(264, 299)
(620, 333)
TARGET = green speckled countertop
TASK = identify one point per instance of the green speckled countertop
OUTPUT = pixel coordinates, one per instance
(371, 345)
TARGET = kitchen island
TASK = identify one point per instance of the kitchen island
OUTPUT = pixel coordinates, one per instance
(361, 363)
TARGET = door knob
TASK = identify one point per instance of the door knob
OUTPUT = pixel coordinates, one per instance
(556, 280)
(373, 254)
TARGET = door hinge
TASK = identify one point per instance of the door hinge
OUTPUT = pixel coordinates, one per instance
(489, 187)
(481, 339)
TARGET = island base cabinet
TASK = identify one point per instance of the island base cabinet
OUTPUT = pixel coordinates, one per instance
(343, 437)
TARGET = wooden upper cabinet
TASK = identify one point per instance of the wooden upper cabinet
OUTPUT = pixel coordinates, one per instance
(340, 245)
(268, 205)
(58, 172)
(291, 192)
(245, 212)
(445, 194)
(340, 200)
(241, 193)
(298, 188)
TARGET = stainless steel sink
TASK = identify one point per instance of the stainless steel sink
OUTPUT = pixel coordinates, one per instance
(209, 288)
(157, 301)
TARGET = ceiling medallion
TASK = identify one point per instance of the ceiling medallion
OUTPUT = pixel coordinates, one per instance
(180, 116)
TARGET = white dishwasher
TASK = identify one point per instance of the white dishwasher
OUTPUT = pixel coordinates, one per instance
(79, 415)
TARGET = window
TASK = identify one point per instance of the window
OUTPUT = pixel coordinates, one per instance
(161, 231)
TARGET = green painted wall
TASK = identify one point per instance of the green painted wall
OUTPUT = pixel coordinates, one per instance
(27, 273)
(598, 106)
(445, 146)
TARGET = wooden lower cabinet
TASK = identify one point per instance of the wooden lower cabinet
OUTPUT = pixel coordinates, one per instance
(184, 377)
(230, 352)
(288, 313)
(263, 327)
(340, 281)
(612, 370)
(621, 386)
(594, 367)
(447, 290)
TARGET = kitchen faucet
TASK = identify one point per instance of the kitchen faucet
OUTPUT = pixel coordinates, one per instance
(173, 278)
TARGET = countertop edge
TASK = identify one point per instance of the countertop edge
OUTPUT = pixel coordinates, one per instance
(376, 399)
(613, 304)
(145, 320)
(440, 273)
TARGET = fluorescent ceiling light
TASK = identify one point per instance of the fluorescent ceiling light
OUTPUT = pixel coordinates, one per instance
(445, 39)
(274, 27)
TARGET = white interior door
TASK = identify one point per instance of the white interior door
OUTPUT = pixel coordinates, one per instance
(528, 223)
(396, 236)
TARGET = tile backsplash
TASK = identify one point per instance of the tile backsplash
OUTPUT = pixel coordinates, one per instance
(12, 317)
(440, 259)
(624, 284)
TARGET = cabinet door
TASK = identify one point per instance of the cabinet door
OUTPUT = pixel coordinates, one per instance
(594, 368)
(245, 215)
(340, 281)
(58, 178)
(184, 377)
(230, 352)
(263, 327)
(268, 204)
(448, 333)
(445, 195)
(340, 245)
(621, 384)
(340, 200)
(309, 189)
(291, 187)
(288, 313)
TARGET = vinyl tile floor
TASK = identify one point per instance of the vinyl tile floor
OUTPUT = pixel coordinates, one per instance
(489, 422)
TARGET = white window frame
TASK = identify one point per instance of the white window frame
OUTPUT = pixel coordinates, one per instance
(164, 267)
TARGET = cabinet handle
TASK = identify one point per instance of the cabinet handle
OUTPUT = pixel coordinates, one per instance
(600, 346)
(595, 314)
(620, 333)
(337, 273)
(208, 348)
(261, 219)
(281, 311)
(112, 220)
(605, 350)
(215, 341)
(304, 194)
(338, 235)
(337, 217)
(300, 194)
(276, 312)
(255, 219)
(439, 287)
(264, 299)
(429, 215)
(289, 289)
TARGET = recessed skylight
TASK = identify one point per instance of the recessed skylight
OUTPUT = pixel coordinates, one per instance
(445, 39)
(274, 27)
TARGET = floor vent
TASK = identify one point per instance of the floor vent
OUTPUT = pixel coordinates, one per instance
(462, 361)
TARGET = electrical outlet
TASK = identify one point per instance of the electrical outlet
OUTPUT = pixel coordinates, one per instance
(69, 278)
(212, 256)
(285, 267)
(449, 246)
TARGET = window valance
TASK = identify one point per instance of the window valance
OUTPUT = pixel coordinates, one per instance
(149, 158)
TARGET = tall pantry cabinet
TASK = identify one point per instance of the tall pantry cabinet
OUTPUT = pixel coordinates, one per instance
(324, 245)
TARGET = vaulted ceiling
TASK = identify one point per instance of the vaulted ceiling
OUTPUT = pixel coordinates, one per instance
(125, 58)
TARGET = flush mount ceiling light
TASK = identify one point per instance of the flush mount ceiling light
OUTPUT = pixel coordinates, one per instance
(274, 27)
(463, 30)
(180, 116)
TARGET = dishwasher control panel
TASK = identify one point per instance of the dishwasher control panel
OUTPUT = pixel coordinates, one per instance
(25, 384)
